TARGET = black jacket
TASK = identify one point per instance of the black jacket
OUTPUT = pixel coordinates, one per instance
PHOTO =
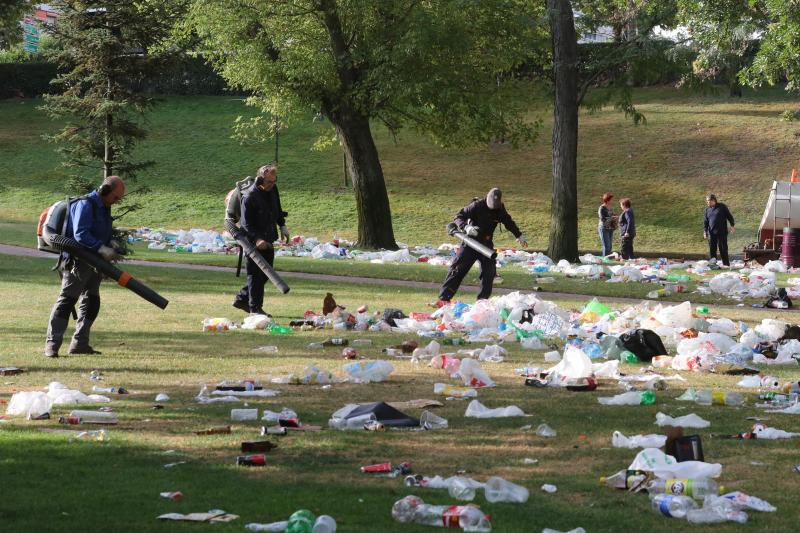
(486, 220)
(715, 220)
(262, 214)
(627, 224)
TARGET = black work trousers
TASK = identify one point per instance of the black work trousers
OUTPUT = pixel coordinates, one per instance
(465, 258)
(720, 241)
(253, 292)
(626, 248)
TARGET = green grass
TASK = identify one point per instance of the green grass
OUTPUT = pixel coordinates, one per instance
(56, 485)
(690, 145)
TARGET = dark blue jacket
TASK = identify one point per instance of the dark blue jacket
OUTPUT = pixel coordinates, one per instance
(486, 219)
(90, 222)
(715, 219)
(627, 223)
(261, 214)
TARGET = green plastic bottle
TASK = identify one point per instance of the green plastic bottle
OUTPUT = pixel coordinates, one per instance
(628, 357)
(275, 329)
(301, 521)
(678, 277)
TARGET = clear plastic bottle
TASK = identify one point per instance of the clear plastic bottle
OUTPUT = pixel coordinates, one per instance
(467, 517)
(707, 397)
(611, 346)
(497, 489)
(672, 506)
(315, 346)
(696, 488)
(462, 488)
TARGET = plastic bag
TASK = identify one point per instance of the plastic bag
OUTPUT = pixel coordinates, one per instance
(369, 371)
(476, 409)
(574, 365)
(473, 375)
(666, 466)
(618, 440)
(256, 322)
(686, 421)
(30, 404)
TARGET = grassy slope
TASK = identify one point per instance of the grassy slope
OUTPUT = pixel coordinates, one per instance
(690, 145)
(115, 485)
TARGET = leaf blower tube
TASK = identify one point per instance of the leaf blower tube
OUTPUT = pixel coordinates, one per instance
(453, 230)
(252, 252)
(59, 242)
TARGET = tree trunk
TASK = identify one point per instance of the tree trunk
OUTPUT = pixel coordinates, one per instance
(563, 241)
(366, 175)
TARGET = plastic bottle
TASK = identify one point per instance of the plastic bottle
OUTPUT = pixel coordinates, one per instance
(467, 517)
(625, 479)
(672, 506)
(324, 524)
(335, 341)
(359, 342)
(701, 310)
(90, 417)
(98, 435)
(707, 397)
(678, 277)
(275, 329)
(258, 459)
(315, 346)
(592, 349)
(498, 489)
(456, 392)
(461, 488)
(453, 341)
(696, 488)
(628, 357)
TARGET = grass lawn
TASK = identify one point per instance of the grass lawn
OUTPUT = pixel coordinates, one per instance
(63, 486)
(691, 145)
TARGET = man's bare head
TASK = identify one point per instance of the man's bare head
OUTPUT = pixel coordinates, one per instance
(112, 190)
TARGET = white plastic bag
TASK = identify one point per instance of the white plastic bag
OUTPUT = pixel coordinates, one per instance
(574, 365)
(686, 421)
(473, 375)
(369, 371)
(30, 404)
(476, 409)
(666, 466)
(618, 440)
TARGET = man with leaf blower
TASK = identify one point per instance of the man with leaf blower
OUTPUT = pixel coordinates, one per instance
(474, 225)
(88, 221)
(256, 206)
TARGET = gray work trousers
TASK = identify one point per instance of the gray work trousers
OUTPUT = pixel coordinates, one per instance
(79, 281)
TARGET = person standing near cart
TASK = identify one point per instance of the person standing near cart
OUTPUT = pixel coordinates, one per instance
(715, 228)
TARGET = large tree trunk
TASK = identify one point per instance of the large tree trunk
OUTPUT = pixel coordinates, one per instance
(563, 242)
(364, 166)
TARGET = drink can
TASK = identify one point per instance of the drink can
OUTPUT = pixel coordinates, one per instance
(251, 460)
(378, 468)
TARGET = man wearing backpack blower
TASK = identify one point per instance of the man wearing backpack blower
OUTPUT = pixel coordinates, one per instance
(256, 205)
(89, 223)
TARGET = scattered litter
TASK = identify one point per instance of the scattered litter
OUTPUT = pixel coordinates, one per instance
(545, 431)
(686, 421)
(550, 489)
(476, 409)
(210, 516)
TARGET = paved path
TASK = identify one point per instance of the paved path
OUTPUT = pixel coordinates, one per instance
(8, 249)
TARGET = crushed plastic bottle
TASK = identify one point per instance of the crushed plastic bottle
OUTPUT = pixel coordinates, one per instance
(628, 357)
(545, 431)
(497, 489)
(631, 480)
(412, 509)
(455, 392)
(672, 506)
(715, 510)
(97, 435)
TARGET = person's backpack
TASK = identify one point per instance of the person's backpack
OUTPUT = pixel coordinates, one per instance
(644, 343)
(53, 221)
(233, 200)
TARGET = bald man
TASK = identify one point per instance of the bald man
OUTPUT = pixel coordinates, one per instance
(89, 223)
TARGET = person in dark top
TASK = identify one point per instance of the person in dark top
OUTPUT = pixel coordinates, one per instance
(606, 224)
(89, 223)
(627, 229)
(478, 220)
(260, 218)
(715, 228)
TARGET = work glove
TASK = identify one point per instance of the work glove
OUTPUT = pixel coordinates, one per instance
(471, 231)
(109, 254)
(522, 241)
(285, 233)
